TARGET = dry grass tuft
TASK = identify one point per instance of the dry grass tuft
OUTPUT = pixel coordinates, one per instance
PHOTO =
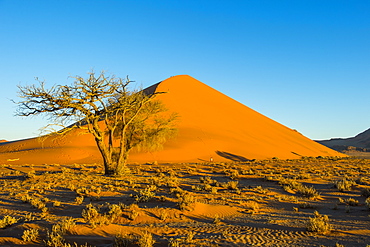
(319, 223)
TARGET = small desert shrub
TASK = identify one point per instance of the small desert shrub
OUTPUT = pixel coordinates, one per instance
(252, 205)
(163, 214)
(214, 190)
(7, 221)
(302, 176)
(349, 201)
(319, 223)
(133, 214)
(189, 237)
(344, 184)
(367, 202)
(161, 179)
(31, 174)
(28, 217)
(172, 182)
(261, 190)
(217, 219)
(306, 205)
(54, 237)
(208, 180)
(186, 201)
(133, 211)
(37, 203)
(173, 242)
(90, 213)
(30, 235)
(24, 197)
(157, 181)
(339, 245)
(145, 195)
(115, 211)
(365, 192)
(202, 187)
(232, 185)
(79, 200)
(121, 240)
(176, 191)
(67, 224)
(289, 184)
(172, 173)
(233, 174)
(93, 217)
(309, 192)
(306, 191)
(146, 239)
(82, 191)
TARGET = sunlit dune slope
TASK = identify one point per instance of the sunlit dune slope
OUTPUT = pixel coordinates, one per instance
(211, 126)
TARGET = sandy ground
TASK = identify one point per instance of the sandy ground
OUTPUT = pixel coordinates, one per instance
(187, 204)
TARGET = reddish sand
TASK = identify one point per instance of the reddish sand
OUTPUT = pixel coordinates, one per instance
(211, 126)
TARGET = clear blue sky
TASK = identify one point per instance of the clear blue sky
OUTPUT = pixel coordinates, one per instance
(303, 63)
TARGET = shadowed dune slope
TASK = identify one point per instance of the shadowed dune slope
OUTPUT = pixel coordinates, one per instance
(211, 126)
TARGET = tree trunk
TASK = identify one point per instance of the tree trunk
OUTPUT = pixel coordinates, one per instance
(109, 167)
(121, 163)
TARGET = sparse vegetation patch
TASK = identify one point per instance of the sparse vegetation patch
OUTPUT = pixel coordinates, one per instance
(202, 204)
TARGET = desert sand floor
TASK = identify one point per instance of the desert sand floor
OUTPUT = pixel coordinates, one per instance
(255, 203)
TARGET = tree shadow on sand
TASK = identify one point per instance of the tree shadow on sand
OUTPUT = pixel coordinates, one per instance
(232, 157)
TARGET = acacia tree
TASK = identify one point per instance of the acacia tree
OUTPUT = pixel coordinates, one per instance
(119, 119)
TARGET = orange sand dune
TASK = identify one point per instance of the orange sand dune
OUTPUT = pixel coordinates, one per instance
(211, 126)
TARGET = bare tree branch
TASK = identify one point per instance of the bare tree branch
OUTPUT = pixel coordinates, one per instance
(118, 119)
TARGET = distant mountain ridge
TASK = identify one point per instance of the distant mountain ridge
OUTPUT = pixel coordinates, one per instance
(360, 142)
